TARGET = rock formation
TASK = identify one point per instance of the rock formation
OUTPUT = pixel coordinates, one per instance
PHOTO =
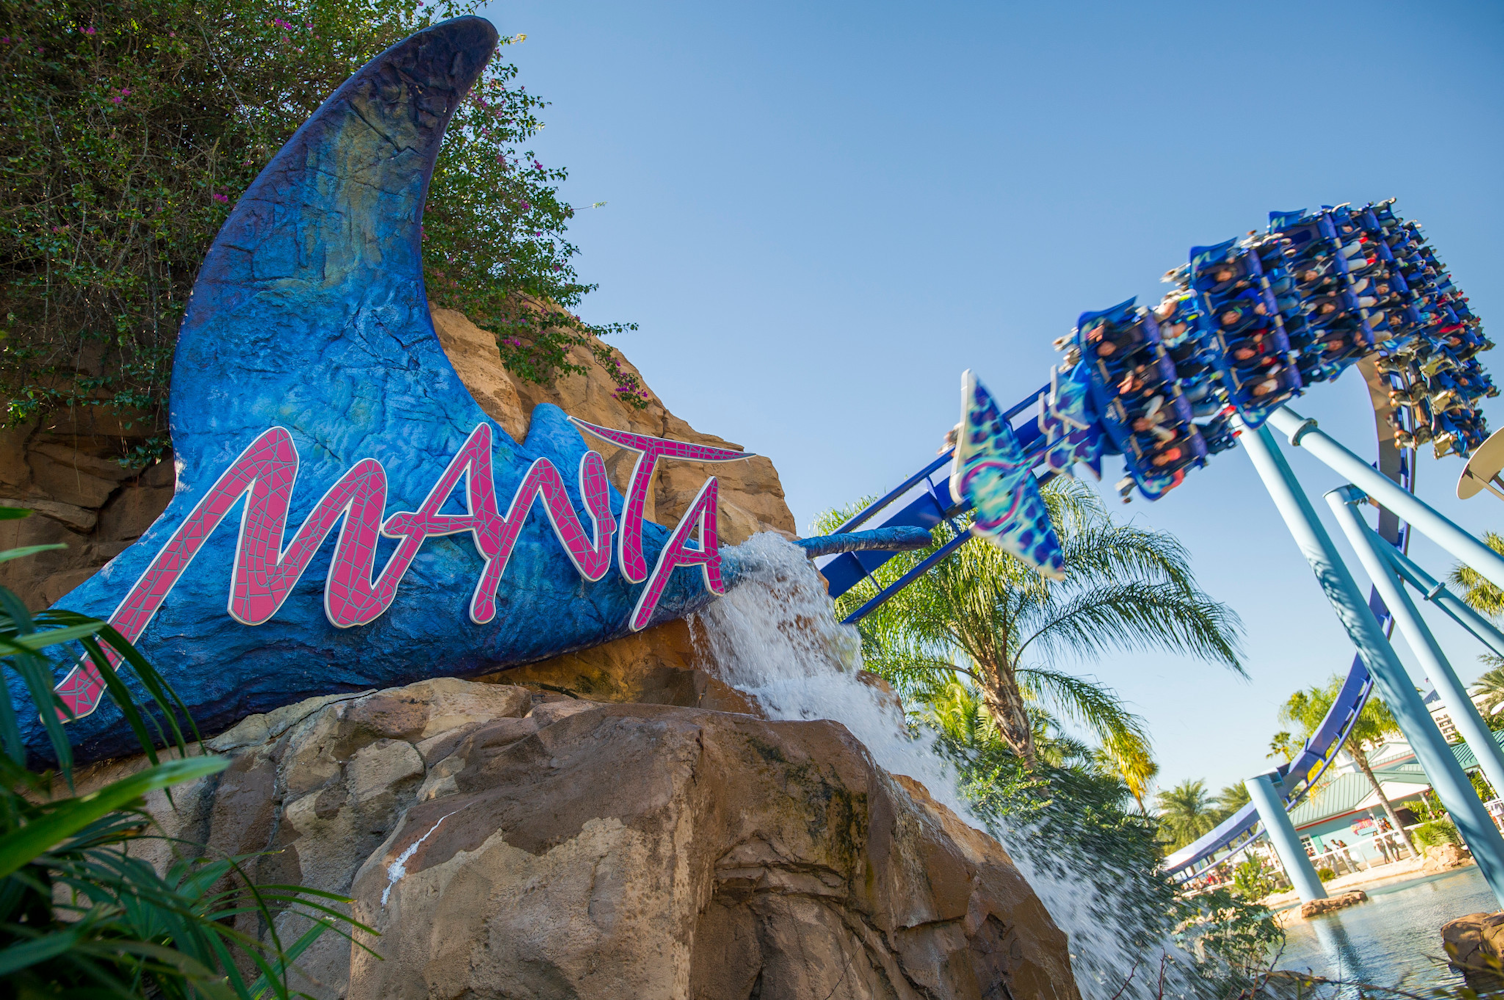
(67, 467)
(1444, 857)
(1475, 944)
(508, 843)
(1342, 900)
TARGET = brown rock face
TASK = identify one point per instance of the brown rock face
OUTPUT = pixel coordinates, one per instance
(1351, 897)
(67, 471)
(1441, 857)
(510, 847)
(1475, 944)
(658, 666)
(751, 495)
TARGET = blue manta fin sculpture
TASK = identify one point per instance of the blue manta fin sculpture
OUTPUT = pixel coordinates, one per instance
(336, 523)
(990, 470)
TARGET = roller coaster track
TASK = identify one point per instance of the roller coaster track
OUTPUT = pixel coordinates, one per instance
(934, 504)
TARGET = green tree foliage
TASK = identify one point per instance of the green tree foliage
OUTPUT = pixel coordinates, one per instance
(1186, 812)
(1282, 744)
(131, 128)
(1435, 826)
(1252, 880)
(1306, 709)
(994, 619)
(80, 916)
(1230, 799)
(1477, 591)
(1488, 692)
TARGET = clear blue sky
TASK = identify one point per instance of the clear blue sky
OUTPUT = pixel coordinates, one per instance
(820, 213)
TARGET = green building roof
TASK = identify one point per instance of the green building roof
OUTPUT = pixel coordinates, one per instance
(1341, 794)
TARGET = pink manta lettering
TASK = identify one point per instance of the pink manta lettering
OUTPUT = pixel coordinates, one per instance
(264, 574)
(676, 553)
(496, 536)
(634, 568)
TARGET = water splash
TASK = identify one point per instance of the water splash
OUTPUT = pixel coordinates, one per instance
(775, 637)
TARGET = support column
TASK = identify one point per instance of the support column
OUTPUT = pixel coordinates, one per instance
(1271, 807)
(1450, 604)
(1303, 434)
(1422, 642)
(1435, 757)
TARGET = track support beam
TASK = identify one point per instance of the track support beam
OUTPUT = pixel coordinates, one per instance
(1451, 605)
(1418, 636)
(1435, 757)
(1271, 806)
(1304, 433)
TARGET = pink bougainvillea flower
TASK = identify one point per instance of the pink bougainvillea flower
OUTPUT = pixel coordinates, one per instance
(222, 199)
(89, 30)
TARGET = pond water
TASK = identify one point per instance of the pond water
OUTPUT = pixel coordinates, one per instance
(1393, 939)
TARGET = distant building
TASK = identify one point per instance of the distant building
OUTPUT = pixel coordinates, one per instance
(1443, 719)
(1344, 807)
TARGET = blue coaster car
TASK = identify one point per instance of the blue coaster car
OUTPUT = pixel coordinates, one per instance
(1240, 310)
(1135, 387)
(1334, 263)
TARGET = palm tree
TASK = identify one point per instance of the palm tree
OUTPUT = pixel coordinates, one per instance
(1477, 591)
(955, 710)
(1127, 756)
(1185, 813)
(1307, 708)
(1283, 745)
(1230, 799)
(993, 619)
(1488, 692)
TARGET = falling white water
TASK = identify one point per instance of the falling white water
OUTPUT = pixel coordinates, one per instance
(775, 637)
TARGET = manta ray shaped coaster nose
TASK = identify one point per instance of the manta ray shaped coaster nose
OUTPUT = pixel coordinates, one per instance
(311, 399)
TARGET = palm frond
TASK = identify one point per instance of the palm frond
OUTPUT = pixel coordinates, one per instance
(1480, 594)
(1139, 617)
(1083, 700)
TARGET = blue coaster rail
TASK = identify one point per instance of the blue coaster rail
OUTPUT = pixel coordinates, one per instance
(1250, 325)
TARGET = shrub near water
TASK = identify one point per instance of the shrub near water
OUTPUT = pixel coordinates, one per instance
(132, 127)
(1435, 833)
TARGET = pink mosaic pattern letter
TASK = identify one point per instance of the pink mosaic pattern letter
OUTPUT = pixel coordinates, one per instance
(591, 559)
(678, 553)
(634, 568)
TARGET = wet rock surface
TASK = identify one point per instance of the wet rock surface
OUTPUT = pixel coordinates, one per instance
(516, 843)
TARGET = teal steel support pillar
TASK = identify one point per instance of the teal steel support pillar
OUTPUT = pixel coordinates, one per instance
(1435, 757)
(1422, 642)
(1391, 495)
(1451, 605)
(1271, 807)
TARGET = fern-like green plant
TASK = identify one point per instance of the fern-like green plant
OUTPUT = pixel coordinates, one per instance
(79, 915)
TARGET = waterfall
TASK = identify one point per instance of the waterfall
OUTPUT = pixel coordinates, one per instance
(775, 637)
